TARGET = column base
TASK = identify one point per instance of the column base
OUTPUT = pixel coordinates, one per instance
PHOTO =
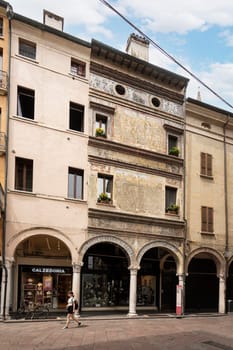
(132, 314)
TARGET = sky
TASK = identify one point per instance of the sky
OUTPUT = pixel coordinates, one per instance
(197, 33)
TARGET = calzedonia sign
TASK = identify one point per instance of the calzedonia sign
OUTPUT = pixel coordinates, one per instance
(46, 269)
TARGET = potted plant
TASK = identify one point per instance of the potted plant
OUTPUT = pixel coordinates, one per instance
(99, 132)
(174, 151)
(173, 209)
(103, 198)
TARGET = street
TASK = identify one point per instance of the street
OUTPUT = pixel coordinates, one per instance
(199, 333)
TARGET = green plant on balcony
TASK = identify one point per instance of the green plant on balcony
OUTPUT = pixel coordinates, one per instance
(100, 132)
(174, 151)
(172, 209)
(103, 198)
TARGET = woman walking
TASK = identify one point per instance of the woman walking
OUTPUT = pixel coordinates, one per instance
(70, 310)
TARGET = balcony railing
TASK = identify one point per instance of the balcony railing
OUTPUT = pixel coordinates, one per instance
(3, 82)
(2, 142)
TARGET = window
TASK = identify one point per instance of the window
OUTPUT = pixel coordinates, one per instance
(170, 200)
(207, 219)
(1, 26)
(173, 145)
(76, 117)
(101, 125)
(25, 104)
(105, 183)
(23, 174)
(206, 164)
(78, 68)
(27, 49)
(75, 183)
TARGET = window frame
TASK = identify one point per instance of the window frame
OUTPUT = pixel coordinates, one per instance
(76, 172)
(27, 174)
(1, 26)
(207, 220)
(76, 108)
(29, 49)
(206, 165)
(77, 68)
(170, 202)
(104, 185)
(100, 120)
(26, 93)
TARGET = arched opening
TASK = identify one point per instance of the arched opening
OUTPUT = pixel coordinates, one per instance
(44, 272)
(202, 285)
(105, 278)
(157, 280)
(229, 288)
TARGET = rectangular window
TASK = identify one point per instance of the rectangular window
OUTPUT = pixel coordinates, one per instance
(23, 174)
(25, 103)
(78, 68)
(27, 49)
(76, 117)
(170, 199)
(101, 125)
(75, 183)
(173, 145)
(105, 184)
(1, 26)
(207, 219)
(206, 164)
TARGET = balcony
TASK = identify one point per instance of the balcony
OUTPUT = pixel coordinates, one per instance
(2, 143)
(2, 200)
(3, 82)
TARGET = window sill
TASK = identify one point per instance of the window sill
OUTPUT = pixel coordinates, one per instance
(207, 176)
(25, 193)
(172, 214)
(25, 119)
(78, 77)
(105, 204)
(32, 60)
(205, 233)
(75, 200)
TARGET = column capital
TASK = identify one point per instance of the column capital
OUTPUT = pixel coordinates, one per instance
(77, 267)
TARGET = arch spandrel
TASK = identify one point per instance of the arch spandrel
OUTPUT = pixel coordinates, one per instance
(175, 252)
(108, 239)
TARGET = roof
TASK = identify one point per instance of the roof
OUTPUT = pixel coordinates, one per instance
(208, 106)
(138, 65)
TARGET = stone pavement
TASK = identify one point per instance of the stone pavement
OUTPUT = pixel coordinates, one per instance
(157, 333)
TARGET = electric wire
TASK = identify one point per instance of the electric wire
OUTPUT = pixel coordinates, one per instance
(164, 52)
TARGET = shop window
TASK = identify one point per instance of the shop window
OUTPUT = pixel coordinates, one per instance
(105, 184)
(101, 125)
(27, 49)
(25, 102)
(23, 174)
(207, 220)
(1, 26)
(75, 183)
(206, 164)
(76, 117)
(171, 206)
(77, 68)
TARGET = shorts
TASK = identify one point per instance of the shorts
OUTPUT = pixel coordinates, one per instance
(70, 310)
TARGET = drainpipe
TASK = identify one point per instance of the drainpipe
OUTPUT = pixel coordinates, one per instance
(9, 13)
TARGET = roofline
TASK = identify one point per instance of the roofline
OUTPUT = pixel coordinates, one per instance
(206, 105)
(139, 61)
(49, 29)
(4, 3)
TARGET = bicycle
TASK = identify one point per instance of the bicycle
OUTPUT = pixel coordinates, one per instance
(31, 311)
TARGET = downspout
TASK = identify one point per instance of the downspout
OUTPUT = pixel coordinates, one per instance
(9, 13)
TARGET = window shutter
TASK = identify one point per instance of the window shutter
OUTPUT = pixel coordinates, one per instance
(209, 164)
(204, 219)
(210, 220)
(203, 163)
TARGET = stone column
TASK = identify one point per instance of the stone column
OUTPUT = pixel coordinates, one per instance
(76, 281)
(7, 280)
(180, 295)
(133, 292)
(221, 300)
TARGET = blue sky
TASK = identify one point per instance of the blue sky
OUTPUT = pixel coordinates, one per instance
(198, 33)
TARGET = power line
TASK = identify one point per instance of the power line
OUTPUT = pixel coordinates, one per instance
(165, 52)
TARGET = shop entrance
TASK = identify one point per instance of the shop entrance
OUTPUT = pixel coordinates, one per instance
(157, 280)
(44, 272)
(202, 286)
(105, 278)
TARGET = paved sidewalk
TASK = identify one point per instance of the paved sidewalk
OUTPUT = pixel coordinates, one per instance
(190, 333)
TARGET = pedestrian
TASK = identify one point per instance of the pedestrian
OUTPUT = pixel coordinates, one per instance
(70, 307)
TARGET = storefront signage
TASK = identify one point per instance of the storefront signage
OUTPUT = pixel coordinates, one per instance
(48, 269)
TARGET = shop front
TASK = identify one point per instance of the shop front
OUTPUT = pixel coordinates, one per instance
(47, 285)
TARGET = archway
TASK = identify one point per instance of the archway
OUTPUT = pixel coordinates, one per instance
(105, 277)
(202, 283)
(229, 287)
(157, 278)
(43, 271)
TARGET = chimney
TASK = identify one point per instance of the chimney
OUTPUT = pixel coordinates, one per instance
(138, 46)
(52, 20)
